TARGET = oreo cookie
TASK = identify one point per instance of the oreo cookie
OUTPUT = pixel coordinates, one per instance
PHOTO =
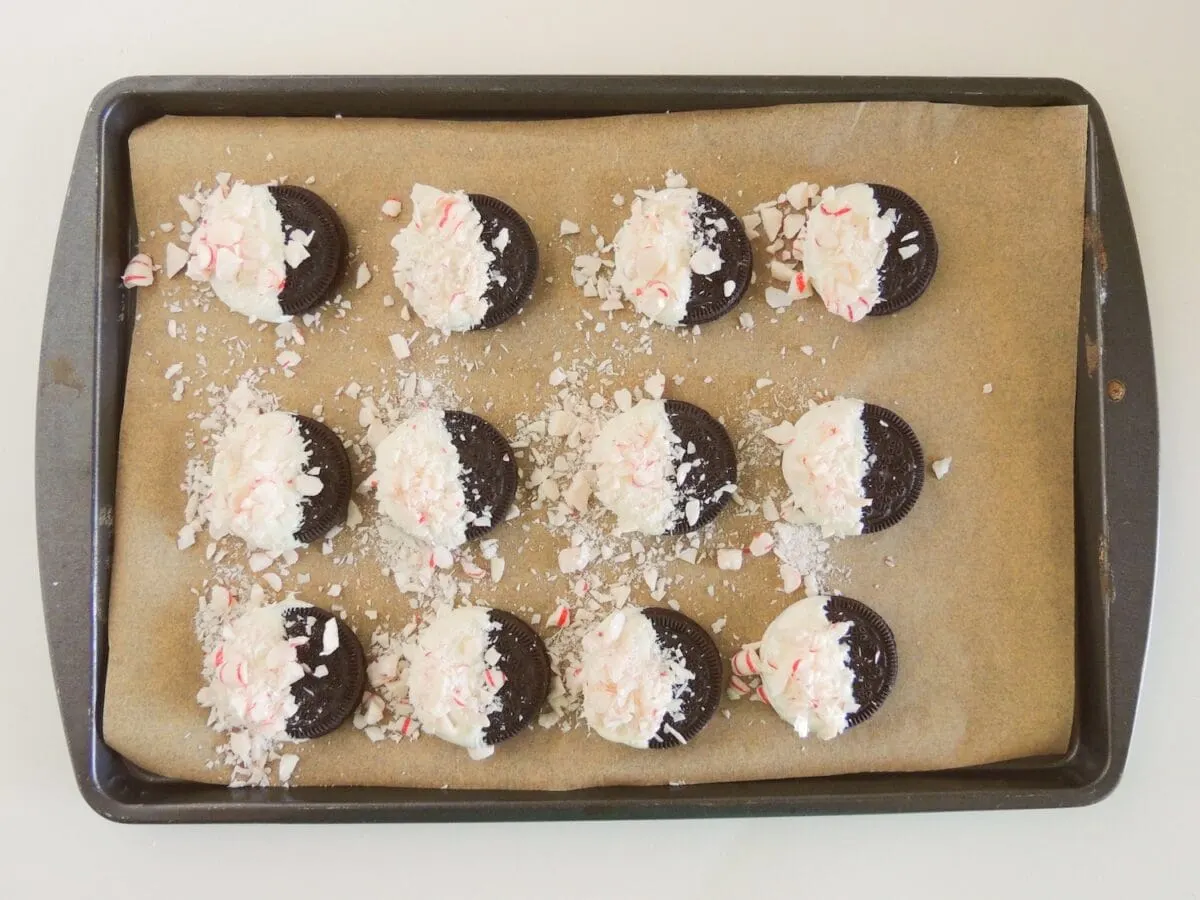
(873, 655)
(489, 477)
(895, 468)
(313, 281)
(677, 632)
(902, 280)
(325, 700)
(708, 300)
(711, 461)
(324, 511)
(526, 667)
(516, 261)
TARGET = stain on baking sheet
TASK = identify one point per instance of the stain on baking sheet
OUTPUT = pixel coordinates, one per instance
(1091, 352)
(62, 374)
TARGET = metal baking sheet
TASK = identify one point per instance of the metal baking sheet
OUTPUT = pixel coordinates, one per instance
(85, 346)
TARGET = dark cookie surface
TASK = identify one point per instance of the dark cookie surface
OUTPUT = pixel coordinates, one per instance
(713, 462)
(708, 301)
(325, 702)
(517, 263)
(902, 281)
(873, 654)
(312, 282)
(676, 631)
(325, 510)
(489, 468)
(526, 667)
(895, 468)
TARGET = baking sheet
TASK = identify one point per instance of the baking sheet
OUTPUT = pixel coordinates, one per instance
(981, 595)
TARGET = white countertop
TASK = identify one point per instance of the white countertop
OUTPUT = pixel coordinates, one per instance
(1141, 64)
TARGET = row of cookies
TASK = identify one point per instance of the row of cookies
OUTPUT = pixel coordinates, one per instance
(475, 677)
(470, 261)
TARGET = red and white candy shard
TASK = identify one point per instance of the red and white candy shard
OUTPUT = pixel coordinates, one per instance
(139, 272)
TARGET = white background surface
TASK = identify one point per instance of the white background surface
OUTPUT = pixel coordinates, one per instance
(1139, 59)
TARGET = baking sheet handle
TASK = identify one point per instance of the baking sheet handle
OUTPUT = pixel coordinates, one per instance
(67, 518)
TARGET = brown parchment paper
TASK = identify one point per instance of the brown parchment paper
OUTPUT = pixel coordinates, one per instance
(982, 591)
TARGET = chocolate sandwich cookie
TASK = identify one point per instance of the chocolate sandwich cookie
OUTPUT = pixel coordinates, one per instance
(873, 656)
(895, 468)
(314, 280)
(526, 668)
(516, 262)
(333, 682)
(678, 633)
(905, 272)
(322, 512)
(489, 468)
(709, 299)
(711, 463)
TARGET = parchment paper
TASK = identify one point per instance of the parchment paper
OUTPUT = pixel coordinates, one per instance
(981, 595)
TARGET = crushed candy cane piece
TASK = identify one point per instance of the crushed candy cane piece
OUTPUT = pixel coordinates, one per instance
(399, 346)
(287, 766)
(329, 637)
(729, 559)
(772, 221)
(177, 260)
(941, 467)
(781, 271)
(745, 662)
(139, 272)
(791, 578)
(782, 434)
(799, 288)
(191, 206)
(566, 226)
(391, 207)
(573, 559)
(762, 544)
(778, 299)
(561, 617)
(186, 537)
(363, 275)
